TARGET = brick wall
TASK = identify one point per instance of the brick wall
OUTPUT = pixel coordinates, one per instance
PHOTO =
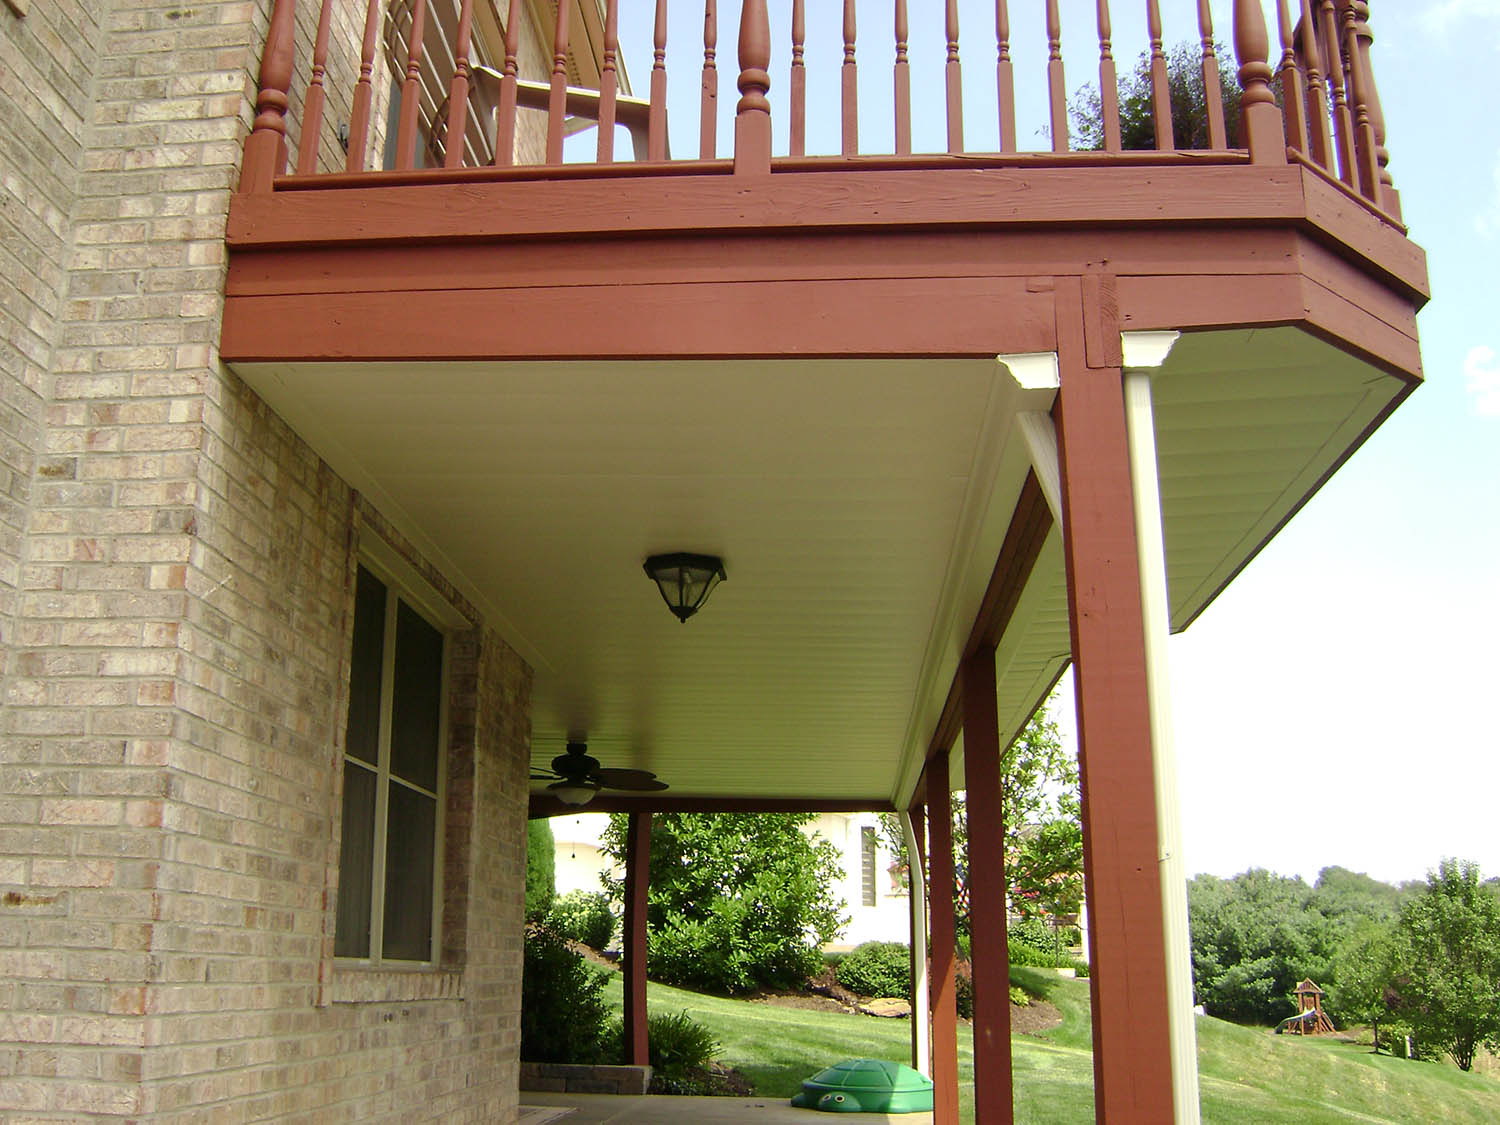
(175, 581)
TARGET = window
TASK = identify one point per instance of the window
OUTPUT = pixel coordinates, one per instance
(393, 780)
(867, 865)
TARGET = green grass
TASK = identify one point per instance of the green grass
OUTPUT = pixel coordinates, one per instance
(1247, 1074)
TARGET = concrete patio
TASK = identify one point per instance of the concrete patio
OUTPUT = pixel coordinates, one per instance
(538, 1108)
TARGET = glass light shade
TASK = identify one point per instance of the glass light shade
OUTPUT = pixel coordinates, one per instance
(685, 580)
(573, 793)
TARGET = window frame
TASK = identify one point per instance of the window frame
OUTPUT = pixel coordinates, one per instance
(402, 584)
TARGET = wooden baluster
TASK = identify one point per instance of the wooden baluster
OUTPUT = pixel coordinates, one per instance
(656, 126)
(458, 90)
(953, 74)
(1057, 90)
(1259, 119)
(1161, 98)
(1389, 198)
(1005, 78)
(798, 145)
(1364, 129)
(364, 91)
(411, 89)
(1293, 88)
(557, 96)
(609, 82)
(265, 147)
(902, 82)
(752, 118)
(1109, 82)
(1213, 90)
(849, 82)
(708, 116)
(1320, 143)
(312, 104)
(1343, 120)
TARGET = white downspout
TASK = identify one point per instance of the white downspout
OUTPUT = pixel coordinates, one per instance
(1142, 351)
(921, 1009)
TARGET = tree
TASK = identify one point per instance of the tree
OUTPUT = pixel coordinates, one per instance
(1043, 834)
(1185, 93)
(1360, 990)
(735, 901)
(1448, 963)
(541, 862)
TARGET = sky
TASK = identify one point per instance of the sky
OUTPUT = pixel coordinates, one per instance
(1338, 703)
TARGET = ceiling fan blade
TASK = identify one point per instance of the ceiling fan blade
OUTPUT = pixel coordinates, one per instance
(535, 776)
(641, 781)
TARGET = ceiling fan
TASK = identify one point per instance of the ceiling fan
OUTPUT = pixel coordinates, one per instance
(576, 776)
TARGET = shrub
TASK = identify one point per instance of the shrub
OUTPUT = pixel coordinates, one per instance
(1018, 996)
(677, 1044)
(541, 860)
(963, 980)
(563, 1014)
(584, 916)
(877, 968)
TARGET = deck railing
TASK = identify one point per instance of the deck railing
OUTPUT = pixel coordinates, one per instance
(1316, 105)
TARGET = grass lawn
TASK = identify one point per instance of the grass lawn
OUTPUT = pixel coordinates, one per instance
(1247, 1074)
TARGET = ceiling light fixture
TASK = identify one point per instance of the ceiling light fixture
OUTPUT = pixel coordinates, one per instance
(685, 580)
(573, 793)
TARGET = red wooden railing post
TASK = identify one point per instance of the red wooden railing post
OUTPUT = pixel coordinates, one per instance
(1057, 88)
(708, 118)
(849, 87)
(954, 78)
(797, 143)
(359, 117)
(1390, 199)
(901, 80)
(1293, 89)
(411, 88)
(1109, 84)
(1005, 78)
(637, 880)
(1161, 98)
(1260, 122)
(1343, 120)
(1359, 88)
(752, 119)
(312, 104)
(1319, 139)
(609, 82)
(458, 91)
(265, 148)
(505, 114)
(656, 122)
(1212, 90)
(557, 97)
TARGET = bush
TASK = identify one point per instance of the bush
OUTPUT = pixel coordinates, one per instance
(677, 1045)
(584, 916)
(877, 968)
(1019, 997)
(563, 1014)
(541, 862)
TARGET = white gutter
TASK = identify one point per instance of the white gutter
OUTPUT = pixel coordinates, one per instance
(1143, 351)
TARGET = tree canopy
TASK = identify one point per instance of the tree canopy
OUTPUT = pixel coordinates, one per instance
(1185, 94)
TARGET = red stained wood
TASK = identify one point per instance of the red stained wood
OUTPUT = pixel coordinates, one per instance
(312, 101)
(609, 82)
(1132, 1069)
(708, 115)
(637, 877)
(458, 90)
(1213, 91)
(902, 80)
(1320, 142)
(1161, 101)
(505, 114)
(1389, 199)
(1057, 87)
(752, 121)
(798, 122)
(411, 89)
(1109, 85)
(265, 147)
(1359, 89)
(941, 944)
(953, 81)
(1293, 83)
(359, 119)
(656, 130)
(1259, 119)
(1343, 121)
(849, 87)
(557, 102)
(988, 886)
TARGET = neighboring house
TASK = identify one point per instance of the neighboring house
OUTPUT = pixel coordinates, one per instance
(325, 491)
(870, 885)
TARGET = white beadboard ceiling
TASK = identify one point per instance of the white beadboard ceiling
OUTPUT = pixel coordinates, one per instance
(858, 506)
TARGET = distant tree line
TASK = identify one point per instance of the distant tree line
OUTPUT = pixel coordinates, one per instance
(1419, 962)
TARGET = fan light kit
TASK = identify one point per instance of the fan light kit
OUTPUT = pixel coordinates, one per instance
(576, 777)
(685, 580)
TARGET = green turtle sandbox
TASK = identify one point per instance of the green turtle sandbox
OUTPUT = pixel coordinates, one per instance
(866, 1086)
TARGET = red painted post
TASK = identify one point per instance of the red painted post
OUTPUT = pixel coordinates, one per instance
(1260, 121)
(656, 122)
(1390, 199)
(359, 117)
(1109, 84)
(1213, 91)
(458, 90)
(637, 879)
(1128, 981)
(411, 88)
(557, 94)
(1319, 140)
(1057, 88)
(1005, 78)
(798, 83)
(312, 104)
(849, 87)
(988, 886)
(265, 147)
(1359, 90)
(941, 943)
(752, 119)
(901, 79)
(708, 116)
(505, 114)
(1293, 87)
(953, 77)
(1333, 60)
(1161, 99)
(609, 82)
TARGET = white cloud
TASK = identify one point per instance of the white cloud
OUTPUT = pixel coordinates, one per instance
(1482, 378)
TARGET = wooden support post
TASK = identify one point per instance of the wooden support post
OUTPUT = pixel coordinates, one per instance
(265, 147)
(913, 830)
(941, 943)
(1260, 120)
(752, 119)
(637, 878)
(1132, 1058)
(989, 944)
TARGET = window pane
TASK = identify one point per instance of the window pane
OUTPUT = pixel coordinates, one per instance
(867, 866)
(362, 738)
(351, 935)
(410, 830)
(418, 702)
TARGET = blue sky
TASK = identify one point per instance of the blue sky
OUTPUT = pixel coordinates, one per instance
(1356, 659)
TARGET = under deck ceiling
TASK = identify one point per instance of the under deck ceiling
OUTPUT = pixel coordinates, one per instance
(858, 505)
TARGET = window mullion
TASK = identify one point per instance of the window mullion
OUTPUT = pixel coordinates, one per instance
(383, 778)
